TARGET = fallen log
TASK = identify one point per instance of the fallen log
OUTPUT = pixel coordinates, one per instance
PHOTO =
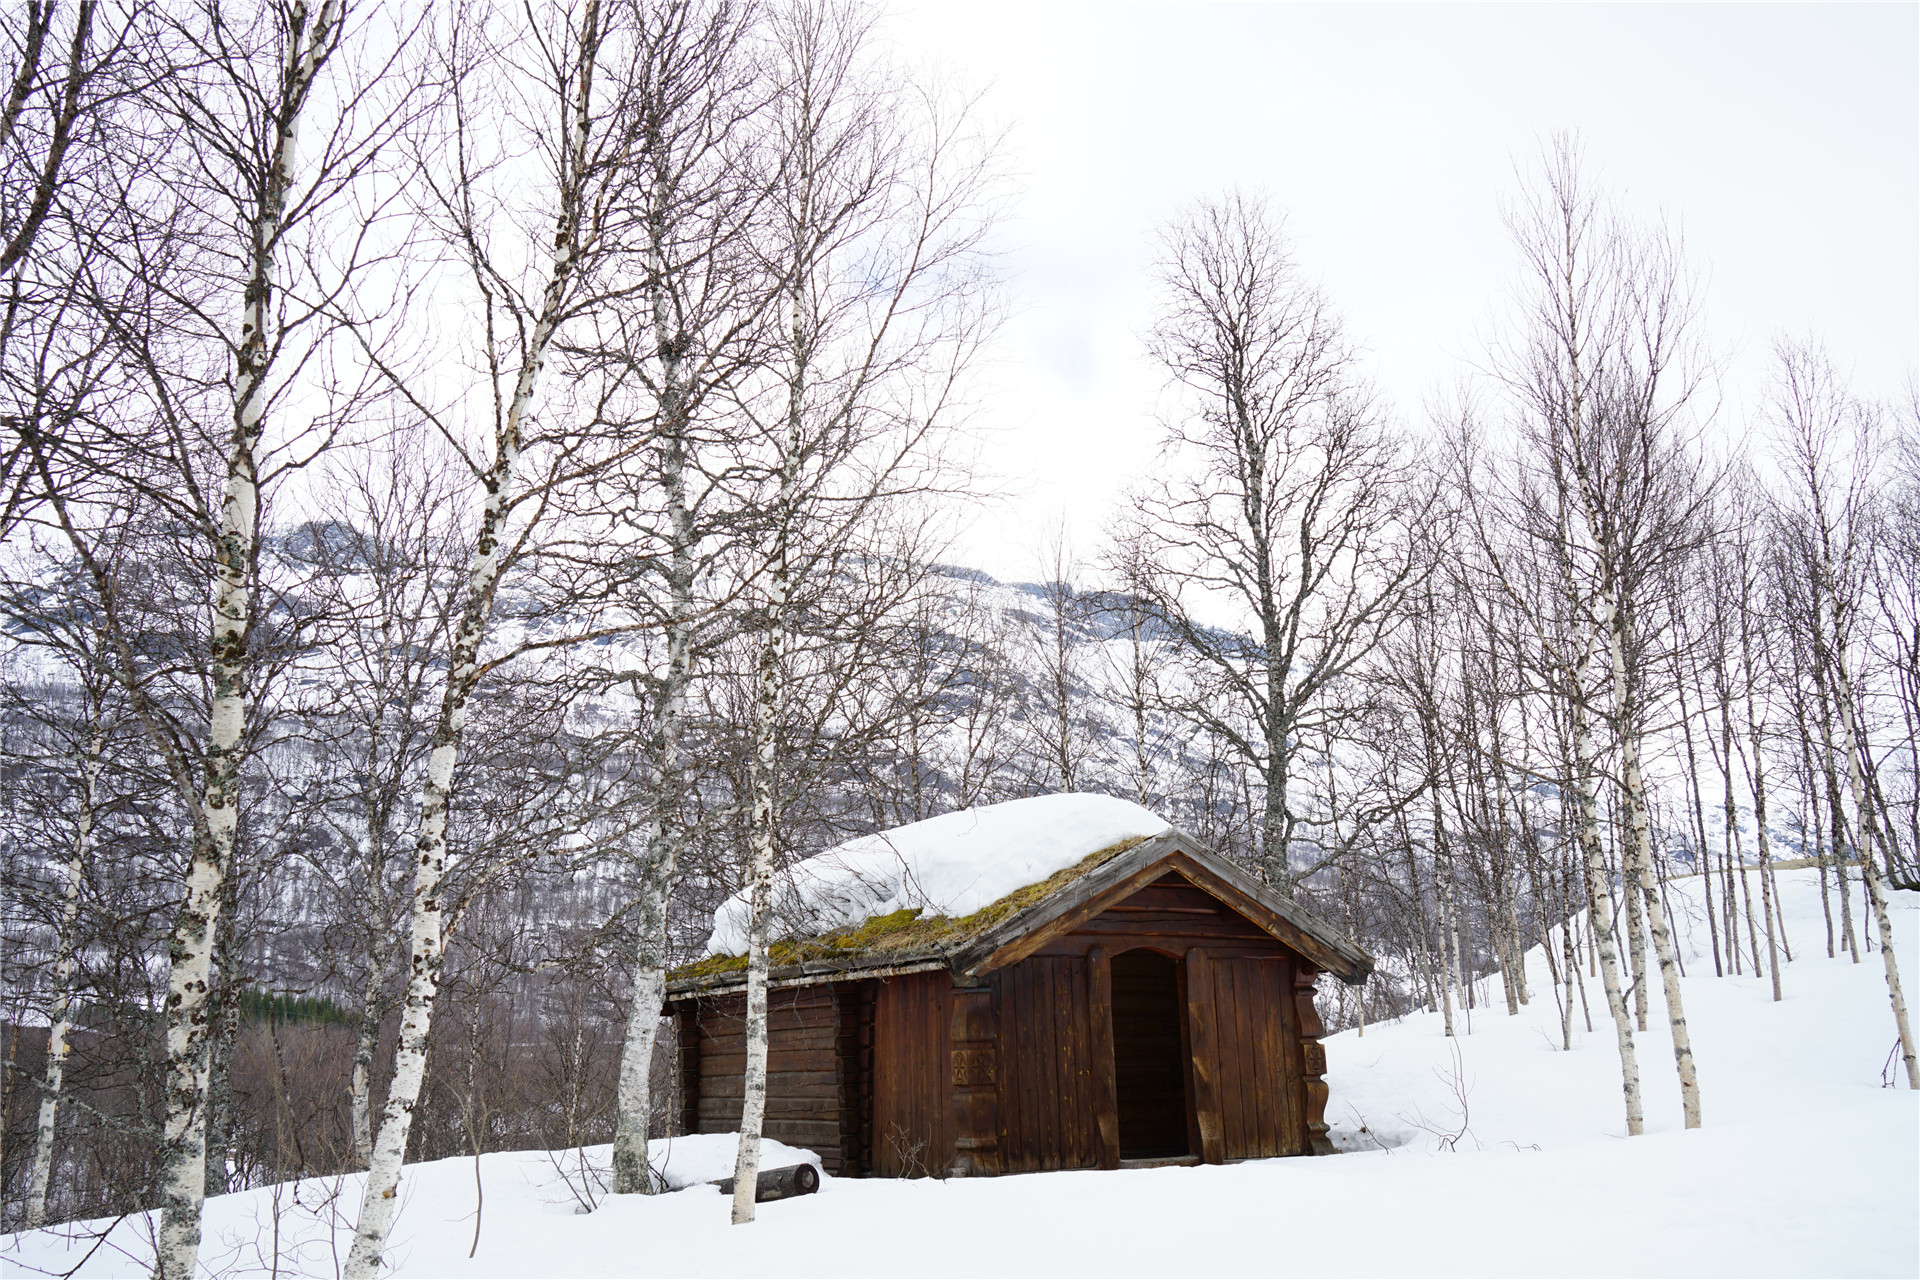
(779, 1184)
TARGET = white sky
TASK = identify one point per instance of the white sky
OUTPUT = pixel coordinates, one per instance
(1785, 140)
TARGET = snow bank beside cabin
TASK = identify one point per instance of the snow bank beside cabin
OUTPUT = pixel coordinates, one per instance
(951, 865)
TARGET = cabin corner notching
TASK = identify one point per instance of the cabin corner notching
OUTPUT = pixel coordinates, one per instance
(1158, 1007)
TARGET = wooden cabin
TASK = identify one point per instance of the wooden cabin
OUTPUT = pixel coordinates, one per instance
(1152, 1004)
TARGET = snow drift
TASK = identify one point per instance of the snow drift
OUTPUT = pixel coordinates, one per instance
(951, 865)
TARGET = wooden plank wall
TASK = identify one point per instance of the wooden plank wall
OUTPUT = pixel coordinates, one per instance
(1256, 1047)
(1045, 1041)
(1049, 1111)
(805, 1095)
(912, 1128)
(1172, 915)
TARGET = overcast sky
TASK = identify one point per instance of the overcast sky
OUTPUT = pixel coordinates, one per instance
(1785, 140)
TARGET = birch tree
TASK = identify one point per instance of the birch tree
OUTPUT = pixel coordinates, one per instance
(573, 123)
(1827, 439)
(879, 214)
(697, 105)
(1292, 503)
(219, 212)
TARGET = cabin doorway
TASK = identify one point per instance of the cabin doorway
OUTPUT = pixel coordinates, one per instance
(1150, 1080)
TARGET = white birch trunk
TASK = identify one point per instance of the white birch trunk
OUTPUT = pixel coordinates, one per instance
(634, 1090)
(753, 1110)
(1853, 744)
(1837, 820)
(633, 1102)
(190, 949)
(1758, 778)
(746, 1170)
(1703, 866)
(427, 951)
(63, 965)
(746, 1167)
(365, 1042)
(1634, 936)
(1730, 839)
(1599, 899)
(1640, 854)
(1641, 871)
(1449, 957)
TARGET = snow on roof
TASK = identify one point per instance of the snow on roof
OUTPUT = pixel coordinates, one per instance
(951, 865)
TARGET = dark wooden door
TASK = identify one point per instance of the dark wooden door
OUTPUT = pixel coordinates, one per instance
(911, 1132)
(1149, 1074)
(1256, 1046)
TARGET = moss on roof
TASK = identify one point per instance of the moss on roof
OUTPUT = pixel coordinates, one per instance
(906, 933)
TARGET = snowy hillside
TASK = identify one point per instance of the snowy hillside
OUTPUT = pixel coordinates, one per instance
(1508, 1159)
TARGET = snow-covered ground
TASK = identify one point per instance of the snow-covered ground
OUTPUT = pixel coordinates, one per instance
(1806, 1166)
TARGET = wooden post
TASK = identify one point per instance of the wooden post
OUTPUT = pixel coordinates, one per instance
(1206, 1093)
(1313, 1062)
(976, 1088)
(1106, 1103)
(688, 1018)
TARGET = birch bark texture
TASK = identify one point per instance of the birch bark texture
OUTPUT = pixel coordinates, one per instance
(574, 100)
(697, 102)
(310, 40)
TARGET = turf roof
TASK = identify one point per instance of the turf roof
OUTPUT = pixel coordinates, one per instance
(905, 934)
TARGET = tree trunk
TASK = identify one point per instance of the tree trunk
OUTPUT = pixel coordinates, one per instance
(634, 1101)
(190, 949)
(1853, 743)
(63, 965)
(746, 1167)
(427, 951)
(366, 1041)
(1703, 864)
(1450, 949)
(1757, 778)
(1810, 818)
(1599, 899)
(1836, 815)
(223, 1006)
(1640, 853)
(764, 769)
(1635, 930)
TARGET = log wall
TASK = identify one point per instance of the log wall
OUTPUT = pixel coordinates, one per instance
(804, 1080)
(870, 1074)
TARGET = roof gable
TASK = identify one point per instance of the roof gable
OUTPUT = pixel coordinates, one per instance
(1021, 923)
(1025, 932)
